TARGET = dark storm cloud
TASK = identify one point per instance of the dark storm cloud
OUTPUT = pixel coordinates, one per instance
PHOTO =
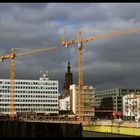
(131, 12)
(107, 63)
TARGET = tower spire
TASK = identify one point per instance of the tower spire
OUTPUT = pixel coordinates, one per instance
(68, 67)
(68, 80)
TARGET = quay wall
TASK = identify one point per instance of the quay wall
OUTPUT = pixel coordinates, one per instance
(130, 131)
(39, 129)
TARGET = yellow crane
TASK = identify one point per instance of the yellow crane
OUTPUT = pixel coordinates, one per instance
(80, 43)
(12, 56)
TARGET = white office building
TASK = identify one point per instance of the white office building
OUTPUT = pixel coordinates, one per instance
(131, 106)
(40, 96)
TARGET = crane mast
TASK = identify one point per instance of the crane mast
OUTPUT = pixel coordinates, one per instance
(80, 78)
(12, 77)
(12, 56)
(80, 43)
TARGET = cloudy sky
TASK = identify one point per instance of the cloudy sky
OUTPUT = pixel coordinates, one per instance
(107, 63)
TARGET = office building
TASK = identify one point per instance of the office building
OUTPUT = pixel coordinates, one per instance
(40, 96)
(113, 97)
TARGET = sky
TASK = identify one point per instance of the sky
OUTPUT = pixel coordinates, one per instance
(107, 63)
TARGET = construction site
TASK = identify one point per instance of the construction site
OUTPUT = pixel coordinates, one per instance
(31, 122)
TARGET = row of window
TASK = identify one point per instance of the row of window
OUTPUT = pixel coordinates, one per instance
(27, 87)
(30, 105)
(26, 109)
(29, 83)
(17, 91)
(28, 100)
(122, 92)
(107, 91)
(30, 96)
(101, 96)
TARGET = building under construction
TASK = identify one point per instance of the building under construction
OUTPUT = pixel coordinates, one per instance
(88, 107)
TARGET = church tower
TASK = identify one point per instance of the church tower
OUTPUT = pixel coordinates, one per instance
(68, 80)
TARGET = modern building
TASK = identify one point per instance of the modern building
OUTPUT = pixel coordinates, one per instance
(131, 106)
(68, 81)
(113, 97)
(40, 96)
(88, 100)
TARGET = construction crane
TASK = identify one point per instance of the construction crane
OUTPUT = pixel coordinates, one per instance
(80, 43)
(12, 56)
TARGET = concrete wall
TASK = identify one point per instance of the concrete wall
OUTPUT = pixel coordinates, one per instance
(101, 134)
(39, 129)
(113, 129)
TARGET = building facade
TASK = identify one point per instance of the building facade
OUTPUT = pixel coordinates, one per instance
(117, 98)
(64, 103)
(68, 81)
(40, 96)
(131, 106)
(88, 100)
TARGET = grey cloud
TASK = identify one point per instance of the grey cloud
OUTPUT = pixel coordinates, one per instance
(107, 62)
(124, 10)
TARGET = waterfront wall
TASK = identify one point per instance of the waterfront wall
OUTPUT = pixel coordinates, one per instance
(39, 129)
(101, 134)
(133, 131)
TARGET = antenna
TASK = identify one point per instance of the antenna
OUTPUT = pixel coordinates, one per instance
(47, 73)
(40, 73)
